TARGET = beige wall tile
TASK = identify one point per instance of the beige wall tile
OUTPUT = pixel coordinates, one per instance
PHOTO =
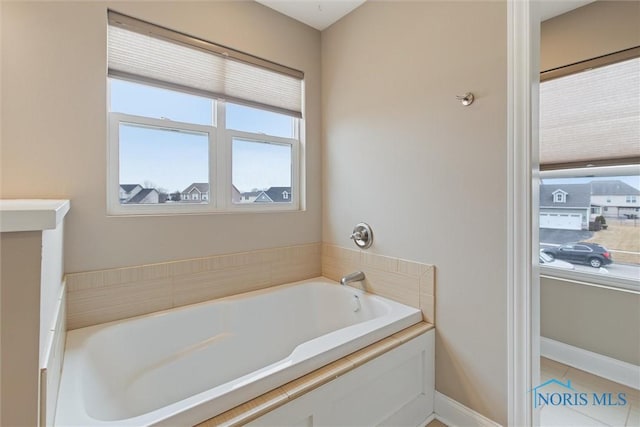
(157, 271)
(87, 280)
(403, 289)
(296, 263)
(119, 276)
(411, 268)
(95, 296)
(427, 306)
(408, 282)
(427, 281)
(335, 269)
(427, 295)
(200, 287)
(380, 262)
(286, 272)
(104, 304)
(347, 255)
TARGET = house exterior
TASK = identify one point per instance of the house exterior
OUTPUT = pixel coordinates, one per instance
(145, 196)
(249, 196)
(572, 206)
(197, 192)
(236, 197)
(615, 199)
(274, 195)
(565, 206)
(127, 191)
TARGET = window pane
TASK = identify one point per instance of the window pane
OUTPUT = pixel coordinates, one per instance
(261, 172)
(254, 120)
(150, 101)
(163, 166)
(601, 213)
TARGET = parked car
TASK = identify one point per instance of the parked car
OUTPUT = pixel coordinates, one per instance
(582, 253)
(549, 261)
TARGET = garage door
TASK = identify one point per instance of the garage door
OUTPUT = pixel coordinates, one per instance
(561, 221)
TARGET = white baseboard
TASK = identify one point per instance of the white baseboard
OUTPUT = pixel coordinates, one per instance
(428, 420)
(597, 364)
(454, 414)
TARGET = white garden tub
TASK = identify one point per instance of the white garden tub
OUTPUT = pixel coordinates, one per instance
(185, 365)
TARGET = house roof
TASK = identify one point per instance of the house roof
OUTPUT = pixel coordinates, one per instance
(613, 188)
(141, 195)
(202, 187)
(274, 194)
(251, 193)
(578, 195)
(129, 187)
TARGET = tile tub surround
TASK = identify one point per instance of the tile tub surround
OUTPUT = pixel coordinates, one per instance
(408, 282)
(249, 411)
(101, 296)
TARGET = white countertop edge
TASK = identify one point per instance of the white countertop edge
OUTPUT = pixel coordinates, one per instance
(31, 214)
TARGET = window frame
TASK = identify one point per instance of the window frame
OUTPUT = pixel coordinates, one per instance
(611, 167)
(594, 278)
(114, 207)
(294, 203)
(220, 139)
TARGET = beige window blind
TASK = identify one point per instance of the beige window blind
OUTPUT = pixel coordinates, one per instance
(591, 117)
(144, 52)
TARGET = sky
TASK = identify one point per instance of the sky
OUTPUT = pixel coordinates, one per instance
(172, 160)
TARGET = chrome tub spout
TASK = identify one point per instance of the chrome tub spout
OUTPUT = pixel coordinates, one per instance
(357, 276)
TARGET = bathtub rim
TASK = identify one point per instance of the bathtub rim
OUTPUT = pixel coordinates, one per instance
(208, 404)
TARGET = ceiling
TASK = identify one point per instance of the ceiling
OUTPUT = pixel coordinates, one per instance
(320, 14)
(550, 8)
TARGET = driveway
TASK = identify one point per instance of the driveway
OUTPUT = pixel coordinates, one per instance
(559, 237)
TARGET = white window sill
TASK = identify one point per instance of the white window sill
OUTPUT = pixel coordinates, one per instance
(602, 280)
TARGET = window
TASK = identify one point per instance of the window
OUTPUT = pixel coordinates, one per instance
(589, 151)
(186, 137)
(560, 197)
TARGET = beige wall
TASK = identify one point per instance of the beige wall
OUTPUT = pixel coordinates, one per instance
(20, 269)
(595, 319)
(54, 127)
(601, 320)
(587, 32)
(403, 155)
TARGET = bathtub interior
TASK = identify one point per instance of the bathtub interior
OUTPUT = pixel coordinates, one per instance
(138, 366)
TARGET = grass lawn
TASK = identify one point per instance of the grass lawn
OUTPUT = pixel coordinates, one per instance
(621, 236)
